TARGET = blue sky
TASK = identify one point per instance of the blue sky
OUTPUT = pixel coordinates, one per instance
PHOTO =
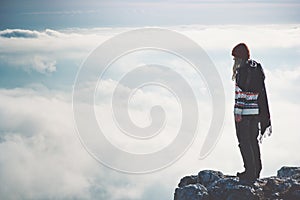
(44, 43)
(36, 14)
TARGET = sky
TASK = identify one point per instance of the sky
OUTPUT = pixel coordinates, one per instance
(75, 13)
(43, 46)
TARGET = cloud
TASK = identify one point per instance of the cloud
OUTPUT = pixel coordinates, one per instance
(42, 51)
(36, 159)
(43, 65)
(23, 33)
(77, 43)
(19, 33)
(256, 36)
(48, 51)
(42, 158)
(38, 63)
(210, 36)
(282, 84)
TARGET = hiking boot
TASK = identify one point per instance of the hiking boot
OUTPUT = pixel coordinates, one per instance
(246, 176)
(238, 174)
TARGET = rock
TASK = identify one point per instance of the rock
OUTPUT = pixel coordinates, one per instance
(231, 188)
(275, 187)
(187, 180)
(207, 177)
(191, 192)
(214, 185)
(285, 172)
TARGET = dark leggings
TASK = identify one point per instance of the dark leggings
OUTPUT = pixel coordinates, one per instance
(247, 132)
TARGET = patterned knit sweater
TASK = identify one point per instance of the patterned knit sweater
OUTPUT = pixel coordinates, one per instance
(245, 102)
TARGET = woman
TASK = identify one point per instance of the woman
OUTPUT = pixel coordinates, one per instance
(251, 110)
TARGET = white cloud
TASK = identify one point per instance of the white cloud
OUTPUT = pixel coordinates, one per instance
(208, 36)
(43, 65)
(19, 33)
(37, 148)
(38, 63)
(256, 36)
(41, 156)
(44, 50)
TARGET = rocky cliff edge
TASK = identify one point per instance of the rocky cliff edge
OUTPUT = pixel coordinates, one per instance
(214, 185)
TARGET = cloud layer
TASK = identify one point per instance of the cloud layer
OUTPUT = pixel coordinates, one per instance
(41, 156)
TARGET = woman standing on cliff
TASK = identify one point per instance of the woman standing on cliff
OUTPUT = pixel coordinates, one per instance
(251, 109)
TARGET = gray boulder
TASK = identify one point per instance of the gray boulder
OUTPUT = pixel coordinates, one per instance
(289, 172)
(187, 180)
(207, 177)
(231, 189)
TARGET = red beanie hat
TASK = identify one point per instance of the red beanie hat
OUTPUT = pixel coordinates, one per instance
(241, 51)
